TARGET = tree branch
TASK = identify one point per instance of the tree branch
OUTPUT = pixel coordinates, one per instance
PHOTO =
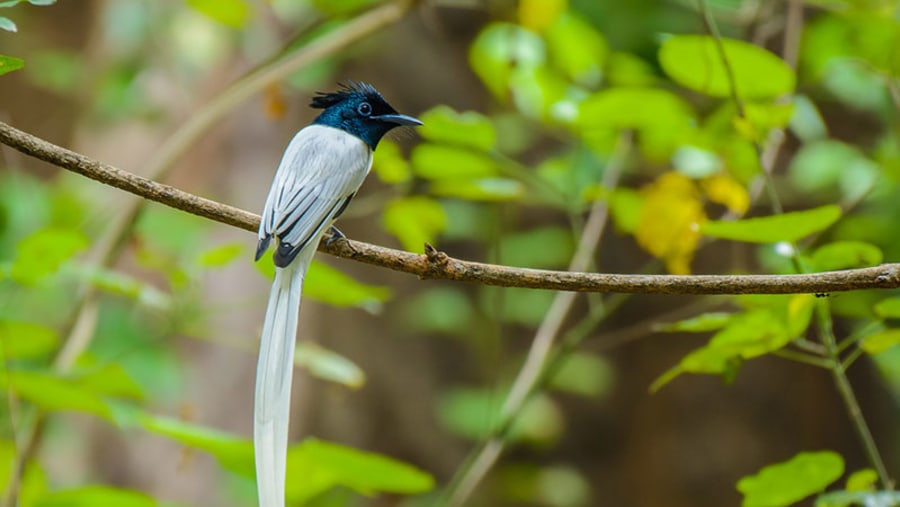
(438, 265)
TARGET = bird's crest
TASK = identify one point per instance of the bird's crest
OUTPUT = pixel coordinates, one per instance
(323, 100)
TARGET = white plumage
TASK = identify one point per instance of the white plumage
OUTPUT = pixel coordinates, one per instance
(320, 171)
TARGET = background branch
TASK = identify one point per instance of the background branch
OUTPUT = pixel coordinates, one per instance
(438, 265)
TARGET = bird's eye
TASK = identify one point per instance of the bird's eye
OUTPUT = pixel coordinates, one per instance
(364, 109)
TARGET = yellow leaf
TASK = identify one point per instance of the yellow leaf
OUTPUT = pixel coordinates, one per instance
(728, 192)
(537, 15)
(668, 224)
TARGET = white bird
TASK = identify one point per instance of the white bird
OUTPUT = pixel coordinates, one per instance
(320, 172)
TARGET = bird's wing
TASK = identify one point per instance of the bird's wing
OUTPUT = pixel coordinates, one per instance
(321, 170)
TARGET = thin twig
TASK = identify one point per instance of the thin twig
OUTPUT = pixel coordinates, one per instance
(530, 373)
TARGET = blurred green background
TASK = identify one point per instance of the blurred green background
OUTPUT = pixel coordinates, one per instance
(129, 335)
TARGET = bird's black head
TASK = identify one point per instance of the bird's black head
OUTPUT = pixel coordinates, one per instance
(358, 108)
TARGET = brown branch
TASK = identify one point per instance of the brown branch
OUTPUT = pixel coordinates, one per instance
(438, 265)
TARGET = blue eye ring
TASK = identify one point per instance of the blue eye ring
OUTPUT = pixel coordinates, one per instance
(364, 109)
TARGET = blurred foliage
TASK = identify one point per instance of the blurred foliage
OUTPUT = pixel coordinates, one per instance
(511, 183)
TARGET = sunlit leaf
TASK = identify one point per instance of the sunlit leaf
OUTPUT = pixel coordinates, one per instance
(26, 340)
(388, 163)
(724, 190)
(97, 496)
(888, 308)
(667, 227)
(470, 129)
(328, 365)
(846, 254)
(862, 480)
(881, 341)
(479, 189)
(332, 286)
(9, 63)
(626, 69)
(33, 483)
(414, 221)
(635, 108)
(699, 324)
(693, 61)
(342, 7)
(538, 14)
(576, 48)
(784, 483)
(233, 13)
(316, 466)
(501, 48)
(772, 229)
(41, 254)
(439, 161)
(233, 453)
(695, 162)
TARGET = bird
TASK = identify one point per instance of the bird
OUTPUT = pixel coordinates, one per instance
(321, 170)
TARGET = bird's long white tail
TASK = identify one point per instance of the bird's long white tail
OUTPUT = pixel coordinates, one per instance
(273, 380)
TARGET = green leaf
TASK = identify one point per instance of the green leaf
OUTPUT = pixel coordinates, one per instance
(56, 70)
(328, 365)
(855, 498)
(41, 254)
(543, 247)
(438, 161)
(747, 335)
(221, 255)
(862, 480)
(635, 108)
(97, 496)
(888, 308)
(479, 189)
(316, 466)
(499, 50)
(329, 285)
(108, 379)
(772, 229)
(469, 129)
(625, 206)
(698, 324)
(440, 309)
(584, 374)
(52, 393)
(32, 485)
(8, 25)
(42, 2)
(389, 164)
(577, 49)
(233, 13)
(9, 63)
(474, 414)
(823, 165)
(414, 221)
(881, 341)
(846, 254)
(788, 482)
(693, 61)
(26, 340)
(232, 452)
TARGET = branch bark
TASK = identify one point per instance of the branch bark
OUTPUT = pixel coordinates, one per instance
(438, 265)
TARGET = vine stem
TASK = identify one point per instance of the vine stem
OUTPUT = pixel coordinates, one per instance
(838, 373)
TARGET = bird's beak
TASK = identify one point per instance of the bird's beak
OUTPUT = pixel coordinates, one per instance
(399, 119)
